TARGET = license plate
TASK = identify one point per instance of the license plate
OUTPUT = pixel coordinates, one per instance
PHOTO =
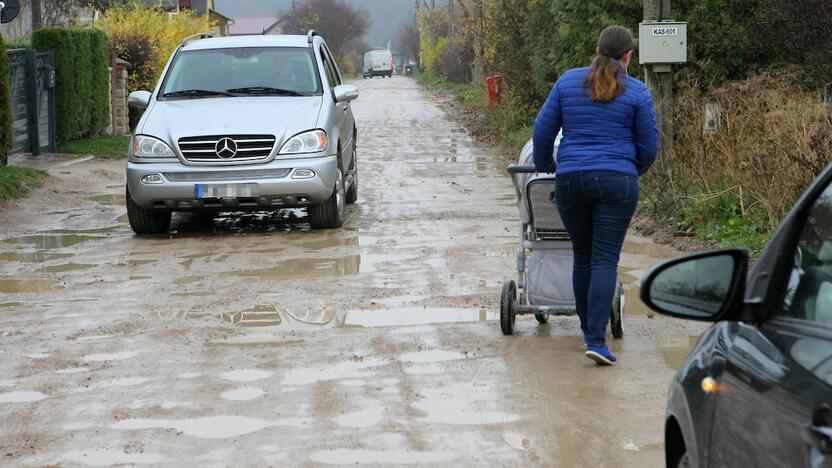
(226, 191)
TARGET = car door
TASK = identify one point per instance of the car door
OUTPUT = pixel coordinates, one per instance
(773, 406)
(343, 119)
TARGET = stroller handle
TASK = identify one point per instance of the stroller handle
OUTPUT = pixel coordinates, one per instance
(520, 169)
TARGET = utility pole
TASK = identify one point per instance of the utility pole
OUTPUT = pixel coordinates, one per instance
(451, 21)
(293, 6)
(36, 15)
(659, 79)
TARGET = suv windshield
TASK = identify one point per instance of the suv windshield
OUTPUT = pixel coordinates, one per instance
(269, 71)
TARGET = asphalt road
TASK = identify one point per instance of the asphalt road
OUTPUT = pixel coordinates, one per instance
(251, 340)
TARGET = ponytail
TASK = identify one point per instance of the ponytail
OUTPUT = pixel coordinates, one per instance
(604, 80)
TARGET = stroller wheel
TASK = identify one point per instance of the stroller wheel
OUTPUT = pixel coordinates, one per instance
(507, 316)
(541, 318)
(617, 313)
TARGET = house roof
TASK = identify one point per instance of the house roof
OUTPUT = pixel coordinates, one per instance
(252, 25)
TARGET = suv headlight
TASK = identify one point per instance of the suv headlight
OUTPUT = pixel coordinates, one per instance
(313, 141)
(144, 146)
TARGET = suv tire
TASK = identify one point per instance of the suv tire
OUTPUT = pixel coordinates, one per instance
(352, 193)
(330, 214)
(144, 221)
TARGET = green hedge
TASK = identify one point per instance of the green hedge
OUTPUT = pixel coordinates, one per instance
(82, 87)
(5, 105)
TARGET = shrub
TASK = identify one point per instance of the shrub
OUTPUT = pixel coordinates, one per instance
(82, 85)
(100, 105)
(146, 38)
(5, 106)
(68, 101)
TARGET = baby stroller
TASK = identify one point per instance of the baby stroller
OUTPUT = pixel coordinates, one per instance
(545, 278)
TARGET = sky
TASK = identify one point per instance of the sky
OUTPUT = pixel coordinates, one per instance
(387, 15)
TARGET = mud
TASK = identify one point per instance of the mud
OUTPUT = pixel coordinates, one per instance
(253, 340)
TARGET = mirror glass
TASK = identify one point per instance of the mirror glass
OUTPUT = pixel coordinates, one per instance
(695, 288)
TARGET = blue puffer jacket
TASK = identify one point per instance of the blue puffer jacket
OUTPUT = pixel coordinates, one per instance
(620, 135)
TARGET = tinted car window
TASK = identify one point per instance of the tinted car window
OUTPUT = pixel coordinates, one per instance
(809, 292)
(330, 72)
(287, 68)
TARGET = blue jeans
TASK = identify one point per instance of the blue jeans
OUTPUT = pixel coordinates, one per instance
(596, 207)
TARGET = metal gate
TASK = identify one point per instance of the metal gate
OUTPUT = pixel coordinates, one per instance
(32, 76)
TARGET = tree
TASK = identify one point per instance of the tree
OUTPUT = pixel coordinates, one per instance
(409, 40)
(341, 25)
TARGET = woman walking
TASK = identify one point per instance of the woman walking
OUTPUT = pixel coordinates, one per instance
(609, 139)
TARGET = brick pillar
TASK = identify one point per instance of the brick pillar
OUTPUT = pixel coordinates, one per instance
(119, 119)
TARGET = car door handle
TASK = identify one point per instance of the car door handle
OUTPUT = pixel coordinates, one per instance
(819, 437)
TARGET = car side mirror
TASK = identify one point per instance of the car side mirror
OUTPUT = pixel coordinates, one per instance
(703, 286)
(345, 93)
(140, 99)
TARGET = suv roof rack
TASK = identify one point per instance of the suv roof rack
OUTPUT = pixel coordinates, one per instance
(311, 35)
(196, 37)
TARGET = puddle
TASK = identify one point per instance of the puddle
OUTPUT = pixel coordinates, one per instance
(109, 457)
(246, 375)
(36, 355)
(12, 304)
(361, 456)
(305, 268)
(320, 244)
(21, 397)
(260, 316)
(675, 350)
(108, 199)
(8, 383)
(255, 343)
(110, 357)
(361, 419)
(188, 279)
(31, 257)
(189, 375)
(77, 426)
(319, 267)
(436, 355)
(101, 230)
(73, 370)
(417, 316)
(424, 369)
(213, 427)
(16, 285)
(649, 249)
(633, 305)
(52, 241)
(344, 370)
(126, 382)
(243, 394)
(452, 412)
(67, 267)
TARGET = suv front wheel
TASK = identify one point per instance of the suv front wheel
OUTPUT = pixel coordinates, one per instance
(144, 221)
(330, 214)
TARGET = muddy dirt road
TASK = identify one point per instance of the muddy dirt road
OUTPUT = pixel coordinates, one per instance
(253, 341)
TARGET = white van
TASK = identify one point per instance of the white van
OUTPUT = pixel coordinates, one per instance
(378, 62)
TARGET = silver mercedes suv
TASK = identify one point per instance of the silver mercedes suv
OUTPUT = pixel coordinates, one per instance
(246, 123)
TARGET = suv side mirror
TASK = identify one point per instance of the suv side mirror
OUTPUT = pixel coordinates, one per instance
(345, 93)
(140, 99)
(703, 286)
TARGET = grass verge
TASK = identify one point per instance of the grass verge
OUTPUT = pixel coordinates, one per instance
(18, 182)
(109, 147)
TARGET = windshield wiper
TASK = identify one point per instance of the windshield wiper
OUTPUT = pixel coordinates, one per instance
(264, 90)
(196, 93)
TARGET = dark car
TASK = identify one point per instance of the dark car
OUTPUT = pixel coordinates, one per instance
(756, 390)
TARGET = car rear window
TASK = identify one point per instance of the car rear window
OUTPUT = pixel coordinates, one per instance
(288, 68)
